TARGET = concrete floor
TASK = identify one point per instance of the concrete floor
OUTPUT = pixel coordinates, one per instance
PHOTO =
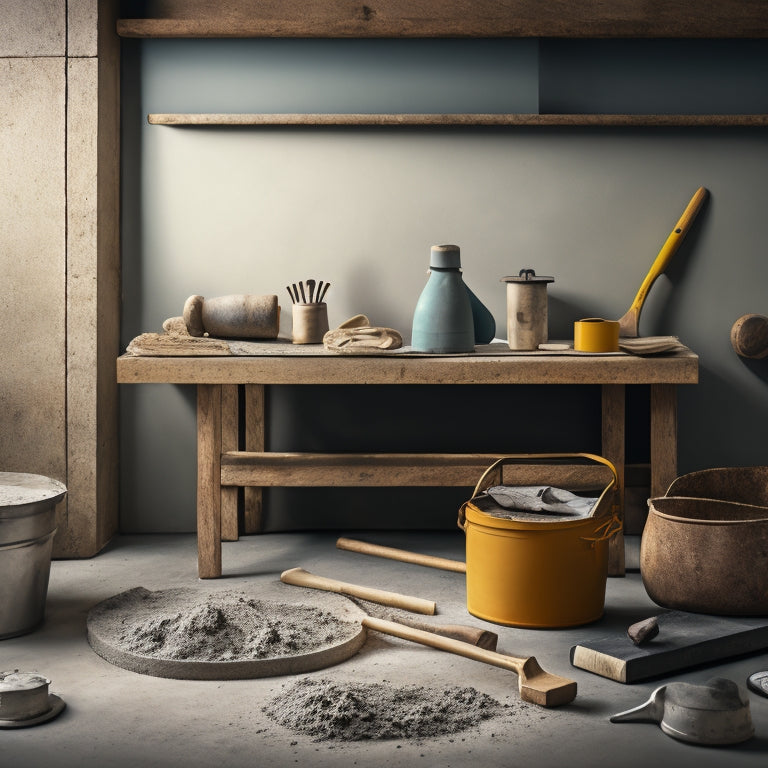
(118, 718)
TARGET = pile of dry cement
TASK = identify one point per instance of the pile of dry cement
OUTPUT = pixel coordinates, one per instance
(361, 711)
(185, 624)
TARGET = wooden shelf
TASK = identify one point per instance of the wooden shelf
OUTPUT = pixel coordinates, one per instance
(448, 18)
(469, 120)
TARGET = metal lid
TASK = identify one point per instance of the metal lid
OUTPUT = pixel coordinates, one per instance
(445, 257)
(527, 276)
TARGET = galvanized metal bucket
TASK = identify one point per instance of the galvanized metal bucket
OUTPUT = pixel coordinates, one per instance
(27, 526)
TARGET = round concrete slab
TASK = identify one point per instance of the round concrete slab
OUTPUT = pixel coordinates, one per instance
(114, 624)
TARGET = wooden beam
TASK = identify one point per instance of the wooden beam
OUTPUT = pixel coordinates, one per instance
(229, 442)
(286, 365)
(663, 438)
(255, 440)
(208, 487)
(450, 18)
(249, 468)
(461, 119)
(613, 449)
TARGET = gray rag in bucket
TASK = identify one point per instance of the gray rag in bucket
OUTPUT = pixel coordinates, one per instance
(542, 499)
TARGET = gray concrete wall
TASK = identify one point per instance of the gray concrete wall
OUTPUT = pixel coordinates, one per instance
(225, 210)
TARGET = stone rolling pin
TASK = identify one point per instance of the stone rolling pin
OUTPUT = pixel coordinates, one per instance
(238, 316)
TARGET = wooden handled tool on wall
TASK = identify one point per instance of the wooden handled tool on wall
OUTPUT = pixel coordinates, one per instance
(481, 638)
(629, 324)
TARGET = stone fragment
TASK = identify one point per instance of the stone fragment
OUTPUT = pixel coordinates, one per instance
(643, 631)
(175, 326)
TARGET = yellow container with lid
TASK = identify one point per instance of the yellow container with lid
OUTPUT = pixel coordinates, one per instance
(593, 334)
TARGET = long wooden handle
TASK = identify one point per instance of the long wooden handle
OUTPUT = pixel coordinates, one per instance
(403, 555)
(628, 324)
(482, 638)
(301, 578)
(513, 663)
(535, 685)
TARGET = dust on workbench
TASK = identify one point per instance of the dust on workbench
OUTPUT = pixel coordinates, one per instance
(226, 625)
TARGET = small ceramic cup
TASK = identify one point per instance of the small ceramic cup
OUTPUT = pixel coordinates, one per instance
(310, 323)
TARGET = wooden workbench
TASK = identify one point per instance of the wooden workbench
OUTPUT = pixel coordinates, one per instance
(222, 468)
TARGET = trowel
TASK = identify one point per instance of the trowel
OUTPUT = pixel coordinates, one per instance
(711, 714)
(629, 323)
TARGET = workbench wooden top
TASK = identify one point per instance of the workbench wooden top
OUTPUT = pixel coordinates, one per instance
(292, 366)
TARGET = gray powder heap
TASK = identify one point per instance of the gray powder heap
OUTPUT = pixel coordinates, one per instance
(366, 711)
(220, 626)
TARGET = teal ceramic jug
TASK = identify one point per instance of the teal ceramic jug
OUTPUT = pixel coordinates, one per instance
(443, 321)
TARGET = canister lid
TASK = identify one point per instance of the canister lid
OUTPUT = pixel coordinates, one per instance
(445, 257)
(527, 276)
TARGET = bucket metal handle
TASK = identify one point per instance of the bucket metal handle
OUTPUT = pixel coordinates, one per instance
(610, 528)
(521, 457)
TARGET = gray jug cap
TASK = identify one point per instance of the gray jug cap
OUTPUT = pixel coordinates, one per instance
(445, 257)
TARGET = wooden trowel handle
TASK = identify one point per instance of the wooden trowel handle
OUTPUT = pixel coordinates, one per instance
(482, 638)
(403, 555)
(301, 578)
(514, 663)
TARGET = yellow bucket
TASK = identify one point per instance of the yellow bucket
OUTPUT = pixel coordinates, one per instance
(538, 574)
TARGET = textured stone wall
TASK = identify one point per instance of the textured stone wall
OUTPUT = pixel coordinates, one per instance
(59, 86)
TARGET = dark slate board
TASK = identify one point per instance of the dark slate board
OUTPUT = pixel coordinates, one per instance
(684, 640)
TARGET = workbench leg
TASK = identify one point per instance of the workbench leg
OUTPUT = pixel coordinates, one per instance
(663, 437)
(255, 419)
(614, 431)
(209, 481)
(229, 442)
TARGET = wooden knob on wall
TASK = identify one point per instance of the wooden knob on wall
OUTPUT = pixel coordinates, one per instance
(749, 336)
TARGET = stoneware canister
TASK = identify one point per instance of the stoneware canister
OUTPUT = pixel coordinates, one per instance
(527, 310)
(443, 321)
(310, 323)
